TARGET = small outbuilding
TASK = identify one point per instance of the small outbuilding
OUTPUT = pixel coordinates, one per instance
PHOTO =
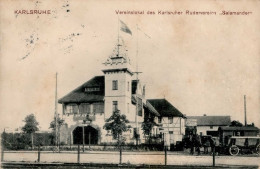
(226, 132)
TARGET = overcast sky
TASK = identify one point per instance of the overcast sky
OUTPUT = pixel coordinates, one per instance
(201, 64)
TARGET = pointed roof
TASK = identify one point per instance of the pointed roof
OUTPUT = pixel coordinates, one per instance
(81, 95)
(165, 108)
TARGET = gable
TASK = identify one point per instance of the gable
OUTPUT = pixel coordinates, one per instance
(90, 91)
(164, 108)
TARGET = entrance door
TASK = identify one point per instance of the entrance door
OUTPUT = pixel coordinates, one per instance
(90, 133)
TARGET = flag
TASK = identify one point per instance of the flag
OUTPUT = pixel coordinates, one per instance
(125, 28)
(139, 106)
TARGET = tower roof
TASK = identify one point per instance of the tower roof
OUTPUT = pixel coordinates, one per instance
(118, 61)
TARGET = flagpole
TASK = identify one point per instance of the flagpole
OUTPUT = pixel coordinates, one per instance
(137, 132)
(118, 35)
(56, 120)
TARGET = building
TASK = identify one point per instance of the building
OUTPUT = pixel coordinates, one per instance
(171, 121)
(227, 132)
(208, 125)
(86, 108)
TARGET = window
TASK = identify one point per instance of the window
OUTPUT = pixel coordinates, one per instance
(98, 108)
(211, 127)
(170, 132)
(92, 89)
(72, 109)
(115, 106)
(170, 119)
(114, 85)
(84, 108)
(127, 107)
(159, 119)
(127, 86)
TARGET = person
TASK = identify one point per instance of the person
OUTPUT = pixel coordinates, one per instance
(198, 143)
(214, 144)
(191, 144)
(206, 145)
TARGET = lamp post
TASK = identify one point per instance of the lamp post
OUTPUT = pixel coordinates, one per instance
(86, 121)
(83, 137)
(89, 139)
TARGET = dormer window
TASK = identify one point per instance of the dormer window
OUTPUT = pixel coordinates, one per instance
(114, 85)
(92, 89)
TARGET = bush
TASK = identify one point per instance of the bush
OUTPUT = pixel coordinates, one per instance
(22, 141)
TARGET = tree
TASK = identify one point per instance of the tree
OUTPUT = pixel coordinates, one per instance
(148, 125)
(117, 124)
(60, 122)
(235, 123)
(31, 126)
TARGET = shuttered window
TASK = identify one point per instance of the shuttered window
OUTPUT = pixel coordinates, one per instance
(98, 107)
(72, 109)
(84, 108)
(114, 85)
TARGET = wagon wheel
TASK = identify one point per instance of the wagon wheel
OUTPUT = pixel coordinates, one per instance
(233, 150)
(258, 149)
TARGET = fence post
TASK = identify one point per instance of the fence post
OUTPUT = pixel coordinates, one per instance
(165, 155)
(120, 159)
(83, 138)
(78, 154)
(2, 147)
(214, 156)
(39, 154)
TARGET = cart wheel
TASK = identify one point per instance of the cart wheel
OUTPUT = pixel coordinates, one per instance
(233, 150)
(258, 149)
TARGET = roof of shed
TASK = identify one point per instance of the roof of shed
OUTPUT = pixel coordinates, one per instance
(245, 128)
(211, 120)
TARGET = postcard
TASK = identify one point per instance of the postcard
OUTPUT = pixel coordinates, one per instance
(130, 83)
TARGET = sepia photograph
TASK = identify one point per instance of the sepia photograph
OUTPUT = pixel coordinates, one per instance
(130, 84)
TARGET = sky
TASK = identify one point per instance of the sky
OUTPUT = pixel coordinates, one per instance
(202, 64)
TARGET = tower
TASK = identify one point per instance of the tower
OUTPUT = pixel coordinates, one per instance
(118, 84)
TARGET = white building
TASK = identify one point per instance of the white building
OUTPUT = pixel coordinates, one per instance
(208, 125)
(86, 108)
(171, 121)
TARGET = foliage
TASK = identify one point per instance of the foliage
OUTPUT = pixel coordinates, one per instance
(148, 124)
(31, 125)
(60, 122)
(235, 123)
(117, 124)
(22, 141)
